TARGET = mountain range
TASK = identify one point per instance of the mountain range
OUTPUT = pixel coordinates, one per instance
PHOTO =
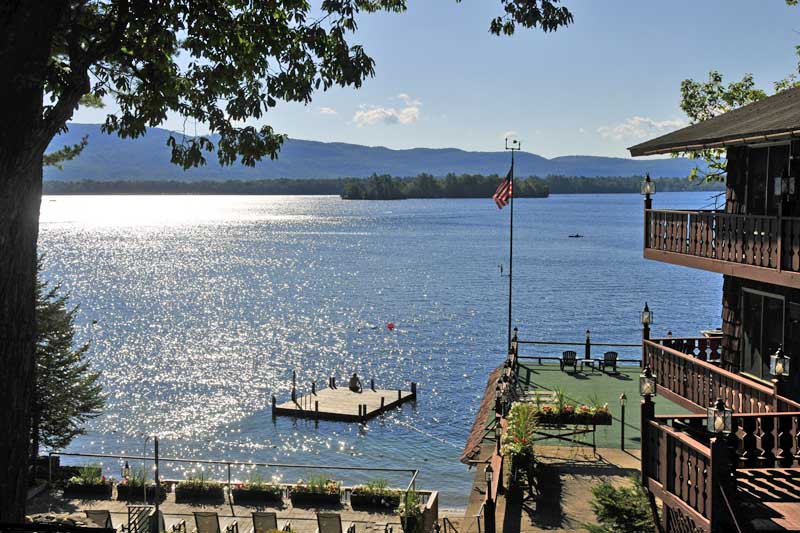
(107, 157)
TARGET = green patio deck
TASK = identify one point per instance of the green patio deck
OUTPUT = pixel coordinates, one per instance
(581, 387)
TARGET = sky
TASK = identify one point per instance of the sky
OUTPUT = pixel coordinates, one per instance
(608, 81)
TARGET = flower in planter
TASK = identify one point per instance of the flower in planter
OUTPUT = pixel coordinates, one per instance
(569, 409)
(584, 410)
(547, 409)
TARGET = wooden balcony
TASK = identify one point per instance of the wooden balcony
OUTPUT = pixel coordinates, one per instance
(685, 376)
(746, 481)
(761, 248)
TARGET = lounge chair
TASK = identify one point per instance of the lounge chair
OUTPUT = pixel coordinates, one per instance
(609, 360)
(208, 522)
(569, 358)
(332, 523)
(263, 522)
(101, 517)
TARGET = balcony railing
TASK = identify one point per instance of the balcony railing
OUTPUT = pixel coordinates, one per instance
(690, 381)
(691, 474)
(766, 248)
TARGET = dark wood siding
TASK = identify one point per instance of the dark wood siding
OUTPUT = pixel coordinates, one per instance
(737, 180)
(732, 324)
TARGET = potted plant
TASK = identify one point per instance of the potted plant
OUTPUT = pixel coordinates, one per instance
(410, 512)
(375, 494)
(132, 489)
(318, 490)
(199, 489)
(90, 483)
(257, 491)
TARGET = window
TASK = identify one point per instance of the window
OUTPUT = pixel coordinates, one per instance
(762, 330)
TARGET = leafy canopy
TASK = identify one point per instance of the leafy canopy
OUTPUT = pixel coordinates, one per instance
(704, 100)
(220, 63)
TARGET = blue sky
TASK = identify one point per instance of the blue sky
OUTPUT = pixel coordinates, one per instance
(608, 81)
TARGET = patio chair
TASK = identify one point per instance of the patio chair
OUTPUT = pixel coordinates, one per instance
(569, 358)
(332, 523)
(609, 360)
(101, 517)
(263, 522)
(208, 522)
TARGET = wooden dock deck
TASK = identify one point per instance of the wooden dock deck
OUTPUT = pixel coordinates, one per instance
(344, 405)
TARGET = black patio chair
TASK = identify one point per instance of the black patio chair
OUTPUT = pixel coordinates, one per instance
(268, 521)
(609, 360)
(569, 358)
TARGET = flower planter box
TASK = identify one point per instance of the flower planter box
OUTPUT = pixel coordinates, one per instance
(305, 498)
(256, 496)
(375, 501)
(207, 494)
(83, 491)
(573, 419)
(133, 493)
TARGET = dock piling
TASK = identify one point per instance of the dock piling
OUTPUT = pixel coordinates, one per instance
(372, 383)
(399, 394)
(413, 389)
(313, 387)
(383, 402)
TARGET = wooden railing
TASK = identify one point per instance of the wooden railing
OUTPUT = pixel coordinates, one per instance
(694, 383)
(703, 348)
(761, 241)
(677, 469)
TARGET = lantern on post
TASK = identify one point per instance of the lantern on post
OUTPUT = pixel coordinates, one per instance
(623, 400)
(646, 316)
(498, 434)
(720, 418)
(647, 383)
(648, 187)
(779, 364)
(515, 342)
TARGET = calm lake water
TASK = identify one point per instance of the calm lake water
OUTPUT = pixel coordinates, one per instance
(205, 305)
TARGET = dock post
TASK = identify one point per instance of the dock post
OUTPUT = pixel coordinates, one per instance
(313, 387)
(588, 351)
(382, 402)
(413, 389)
(399, 395)
(372, 384)
(359, 410)
(333, 382)
(274, 403)
(316, 408)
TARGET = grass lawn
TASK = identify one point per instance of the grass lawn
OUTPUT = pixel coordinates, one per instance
(581, 387)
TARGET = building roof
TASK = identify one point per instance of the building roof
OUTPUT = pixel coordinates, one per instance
(473, 446)
(773, 118)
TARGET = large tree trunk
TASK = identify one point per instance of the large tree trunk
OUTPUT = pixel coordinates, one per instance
(26, 29)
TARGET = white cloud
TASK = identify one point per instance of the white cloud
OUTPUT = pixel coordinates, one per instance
(371, 115)
(636, 128)
(581, 130)
(327, 111)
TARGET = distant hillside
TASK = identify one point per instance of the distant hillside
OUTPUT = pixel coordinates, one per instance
(147, 158)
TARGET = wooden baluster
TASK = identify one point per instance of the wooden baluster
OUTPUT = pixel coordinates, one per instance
(774, 232)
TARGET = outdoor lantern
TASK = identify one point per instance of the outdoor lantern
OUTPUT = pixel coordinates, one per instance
(489, 472)
(647, 383)
(779, 363)
(623, 400)
(514, 340)
(647, 316)
(126, 471)
(720, 418)
(648, 186)
(588, 335)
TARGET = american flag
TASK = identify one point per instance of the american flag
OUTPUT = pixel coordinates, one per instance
(503, 192)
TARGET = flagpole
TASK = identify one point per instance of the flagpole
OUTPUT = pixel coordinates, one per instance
(513, 147)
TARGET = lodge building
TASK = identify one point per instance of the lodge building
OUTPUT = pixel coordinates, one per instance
(745, 477)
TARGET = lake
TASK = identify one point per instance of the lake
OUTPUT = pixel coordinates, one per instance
(204, 305)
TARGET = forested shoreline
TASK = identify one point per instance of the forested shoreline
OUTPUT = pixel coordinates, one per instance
(380, 187)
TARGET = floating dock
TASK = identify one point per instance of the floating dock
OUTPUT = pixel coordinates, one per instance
(342, 404)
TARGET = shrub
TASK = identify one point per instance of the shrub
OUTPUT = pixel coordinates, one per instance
(519, 436)
(621, 509)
